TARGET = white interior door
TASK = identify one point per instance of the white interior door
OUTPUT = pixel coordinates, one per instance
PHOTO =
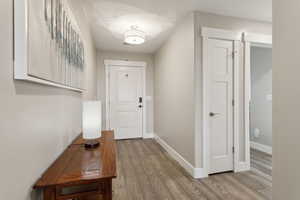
(126, 101)
(221, 105)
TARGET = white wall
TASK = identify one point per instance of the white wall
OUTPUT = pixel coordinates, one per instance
(148, 58)
(261, 96)
(36, 122)
(286, 100)
(174, 90)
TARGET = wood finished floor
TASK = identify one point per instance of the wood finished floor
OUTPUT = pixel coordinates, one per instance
(261, 163)
(146, 172)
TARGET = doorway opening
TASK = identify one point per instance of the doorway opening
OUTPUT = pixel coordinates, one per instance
(125, 98)
(258, 57)
(221, 107)
(261, 110)
(217, 62)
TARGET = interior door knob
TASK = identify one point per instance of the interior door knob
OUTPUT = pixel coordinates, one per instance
(211, 114)
(140, 106)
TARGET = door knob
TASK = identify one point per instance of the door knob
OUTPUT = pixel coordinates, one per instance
(211, 114)
(140, 106)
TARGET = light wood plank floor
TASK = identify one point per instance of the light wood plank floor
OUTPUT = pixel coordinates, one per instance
(146, 172)
(261, 163)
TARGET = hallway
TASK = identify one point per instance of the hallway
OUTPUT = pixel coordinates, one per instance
(146, 172)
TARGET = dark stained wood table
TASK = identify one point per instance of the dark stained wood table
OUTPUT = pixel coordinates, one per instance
(80, 173)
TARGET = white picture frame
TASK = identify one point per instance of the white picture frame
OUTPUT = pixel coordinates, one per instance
(32, 17)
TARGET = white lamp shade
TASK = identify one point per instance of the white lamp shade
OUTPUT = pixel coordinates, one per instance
(91, 120)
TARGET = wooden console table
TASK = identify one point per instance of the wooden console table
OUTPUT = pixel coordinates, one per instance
(79, 173)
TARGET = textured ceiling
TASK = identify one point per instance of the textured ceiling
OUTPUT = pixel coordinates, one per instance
(110, 19)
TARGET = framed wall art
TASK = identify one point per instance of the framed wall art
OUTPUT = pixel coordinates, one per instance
(48, 45)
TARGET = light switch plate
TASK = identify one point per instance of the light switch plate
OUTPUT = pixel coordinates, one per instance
(269, 97)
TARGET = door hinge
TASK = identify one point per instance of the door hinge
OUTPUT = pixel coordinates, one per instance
(233, 103)
(233, 150)
(233, 54)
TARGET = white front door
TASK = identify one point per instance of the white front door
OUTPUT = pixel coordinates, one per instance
(126, 101)
(221, 105)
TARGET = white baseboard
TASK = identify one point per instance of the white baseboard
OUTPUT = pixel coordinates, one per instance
(148, 135)
(242, 167)
(261, 147)
(194, 172)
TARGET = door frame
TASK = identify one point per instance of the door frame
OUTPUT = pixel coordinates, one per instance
(127, 64)
(236, 38)
(251, 39)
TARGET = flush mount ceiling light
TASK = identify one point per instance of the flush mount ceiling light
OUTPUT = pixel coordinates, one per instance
(134, 36)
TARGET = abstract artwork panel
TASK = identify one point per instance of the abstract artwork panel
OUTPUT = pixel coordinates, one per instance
(55, 47)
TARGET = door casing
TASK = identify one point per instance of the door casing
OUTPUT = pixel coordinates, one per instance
(251, 39)
(130, 64)
(235, 37)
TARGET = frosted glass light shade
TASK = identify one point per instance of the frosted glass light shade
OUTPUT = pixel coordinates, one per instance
(134, 36)
(91, 120)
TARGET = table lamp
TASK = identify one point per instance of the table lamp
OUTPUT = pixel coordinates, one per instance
(91, 123)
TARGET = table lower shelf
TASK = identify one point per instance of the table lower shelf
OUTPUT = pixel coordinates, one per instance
(101, 189)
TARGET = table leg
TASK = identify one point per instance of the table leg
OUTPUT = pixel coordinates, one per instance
(107, 192)
(49, 193)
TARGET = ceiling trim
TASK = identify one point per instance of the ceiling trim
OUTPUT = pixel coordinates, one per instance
(220, 34)
(109, 63)
(257, 38)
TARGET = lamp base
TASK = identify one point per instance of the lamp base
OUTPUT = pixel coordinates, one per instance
(91, 144)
